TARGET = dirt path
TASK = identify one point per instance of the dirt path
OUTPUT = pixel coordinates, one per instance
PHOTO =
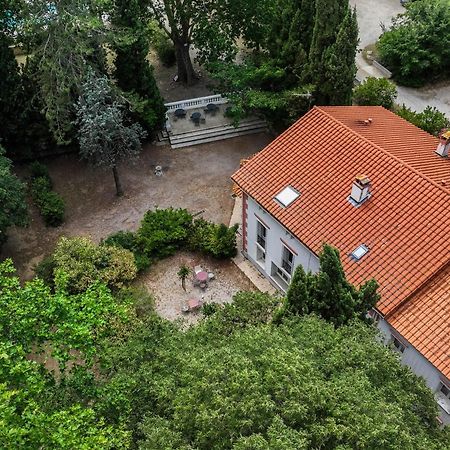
(196, 178)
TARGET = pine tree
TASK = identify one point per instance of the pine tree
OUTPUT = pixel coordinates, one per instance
(133, 72)
(339, 65)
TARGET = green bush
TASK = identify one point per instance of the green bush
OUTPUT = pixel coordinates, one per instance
(51, 204)
(52, 208)
(163, 46)
(128, 240)
(84, 263)
(163, 231)
(39, 170)
(216, 240)
(39, 186)
(430, 119)
(375, 92)
(45, 270)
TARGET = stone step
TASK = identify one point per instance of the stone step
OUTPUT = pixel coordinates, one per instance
(223, 131)
(207, 130)
(228, 134)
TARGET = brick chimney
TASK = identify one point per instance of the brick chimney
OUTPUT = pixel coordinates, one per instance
(360, 189)
(444, 144)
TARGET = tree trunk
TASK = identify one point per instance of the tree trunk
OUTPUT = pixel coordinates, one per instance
(183, 284)
(186, 72)
(119, 190)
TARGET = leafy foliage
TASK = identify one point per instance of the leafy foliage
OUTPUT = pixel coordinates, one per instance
(51, 205)
(12, 198)
(133, 72)
(162, 44)
(375, 92)
(216, 240)
(328, 293)
(163, 231)
(105, 137)
(245, 384)
(417, 46)
(84, 263)
(430, 119)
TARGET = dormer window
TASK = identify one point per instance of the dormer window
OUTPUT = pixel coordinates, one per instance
(287, 196)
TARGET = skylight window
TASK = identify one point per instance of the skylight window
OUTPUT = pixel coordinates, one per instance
(359, 252)
(287, 196)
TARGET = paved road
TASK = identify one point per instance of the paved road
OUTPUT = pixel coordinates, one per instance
(373, 13)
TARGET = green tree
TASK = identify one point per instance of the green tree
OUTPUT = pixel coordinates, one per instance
(417, 46)
(328, 293)
(302, 384)
(430, 119)
(85, 263)
(66, 40)
(133, 72)
(375, 92)
(12, 198)
(105, 137)
(183, 273)
(339, 64)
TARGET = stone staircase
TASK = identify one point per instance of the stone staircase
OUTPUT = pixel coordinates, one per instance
(204, 135)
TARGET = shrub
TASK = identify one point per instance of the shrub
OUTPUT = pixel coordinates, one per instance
(51, 204)
(162, 45)
(38, 170)
(163, 231)
(430, 119)
(216, 240)
(128, 240)
(52, 208)
(45, 269)
(139, 297)
(85, 263)
(375, 92)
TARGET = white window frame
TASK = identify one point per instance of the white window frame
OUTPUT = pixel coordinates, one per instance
(286, 249)
(260, 224)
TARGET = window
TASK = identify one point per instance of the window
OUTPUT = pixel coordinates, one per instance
(443, 397)
(261, 233)
(374, 315)
(287, 261)
(398, 346)
(359, 252)
(287, 196)
(445, 390)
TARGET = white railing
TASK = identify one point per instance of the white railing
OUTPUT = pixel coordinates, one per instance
(195, 102)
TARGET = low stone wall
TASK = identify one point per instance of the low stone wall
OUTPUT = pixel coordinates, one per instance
(387, 73)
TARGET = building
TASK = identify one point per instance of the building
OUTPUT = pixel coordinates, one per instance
(378, 188)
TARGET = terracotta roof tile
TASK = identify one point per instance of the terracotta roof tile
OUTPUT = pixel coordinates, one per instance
(405, 221)
(424, 320)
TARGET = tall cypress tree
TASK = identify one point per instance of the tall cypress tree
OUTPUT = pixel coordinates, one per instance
(329, 15)
(133, 72)
(339, 64)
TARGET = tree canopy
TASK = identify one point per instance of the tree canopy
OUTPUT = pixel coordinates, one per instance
(13, 209)
(417, 46)
(375, 92)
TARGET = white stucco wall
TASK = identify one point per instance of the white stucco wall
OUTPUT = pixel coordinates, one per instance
(418, 364)
(276, 234)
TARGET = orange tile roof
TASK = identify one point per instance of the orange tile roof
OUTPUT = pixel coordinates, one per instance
(398, 137)
(405, 221)
(425, 320)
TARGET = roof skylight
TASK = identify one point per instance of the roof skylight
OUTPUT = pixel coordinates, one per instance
(359, 252)
(287, 196)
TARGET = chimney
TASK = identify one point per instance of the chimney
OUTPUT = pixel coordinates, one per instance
(444, 144)
(360, 189)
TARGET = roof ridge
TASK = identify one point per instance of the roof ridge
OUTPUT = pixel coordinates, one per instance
(425, 177)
